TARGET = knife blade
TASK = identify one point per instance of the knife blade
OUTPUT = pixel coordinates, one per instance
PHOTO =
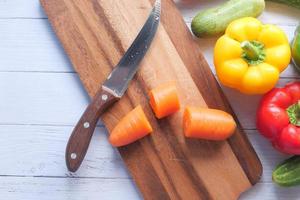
(111, 91)
(126, 68)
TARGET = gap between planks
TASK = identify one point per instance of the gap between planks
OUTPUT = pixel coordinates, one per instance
(46, 55)
(83, 177)
(73, 125)
(187, 20)
(67, 177)
(101, 161)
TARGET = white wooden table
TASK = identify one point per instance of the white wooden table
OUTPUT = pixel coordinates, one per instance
(41, 99)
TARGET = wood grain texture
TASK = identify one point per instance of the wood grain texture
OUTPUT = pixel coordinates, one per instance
(47, 188)
(47, 96)
(22, 143)
(95, 34)
(46, 54)
(32, 62)
(24, 9)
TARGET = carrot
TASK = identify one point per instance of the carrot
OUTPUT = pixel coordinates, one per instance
(205, 123)
(132, 127)
(164, 100)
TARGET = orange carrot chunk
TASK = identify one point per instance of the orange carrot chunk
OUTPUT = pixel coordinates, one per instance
(209, 124)
(132, 127)
(164, 100)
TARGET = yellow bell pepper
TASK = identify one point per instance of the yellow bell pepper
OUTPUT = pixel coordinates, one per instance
(250, 56)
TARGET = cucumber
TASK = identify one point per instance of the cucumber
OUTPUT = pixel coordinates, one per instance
(287, 174)
(215, 20)
(293, 3)
(296, 48)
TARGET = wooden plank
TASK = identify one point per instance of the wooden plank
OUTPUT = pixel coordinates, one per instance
(45, 96)
(36, 188)
(21, 9)
(274, 13)
(270, 191)
(105, 36)
(39, 151)
(267, 154)
(30, 45)
(47, 143)
(45, 54)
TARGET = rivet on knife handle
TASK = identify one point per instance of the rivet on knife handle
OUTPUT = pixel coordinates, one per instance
(82, 133)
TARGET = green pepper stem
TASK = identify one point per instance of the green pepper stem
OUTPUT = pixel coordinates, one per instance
(251, 51)
(294, 113)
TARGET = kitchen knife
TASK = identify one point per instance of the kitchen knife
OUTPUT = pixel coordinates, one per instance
(111, 91)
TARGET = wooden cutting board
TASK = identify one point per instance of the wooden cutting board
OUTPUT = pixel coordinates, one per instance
(95, 34)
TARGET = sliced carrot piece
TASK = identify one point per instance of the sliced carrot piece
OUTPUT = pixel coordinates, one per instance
(205, 123)
(132, 127)
(164, 100)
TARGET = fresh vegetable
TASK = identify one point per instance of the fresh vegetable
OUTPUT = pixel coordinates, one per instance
(205, 123)
(278, 118)
(164, 100)
(132, 127)
(250, 56)
(287, 173)
(293, 3)
(215, 20)
(296, 48)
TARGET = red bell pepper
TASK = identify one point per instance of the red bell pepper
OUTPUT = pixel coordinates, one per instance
(278, 118)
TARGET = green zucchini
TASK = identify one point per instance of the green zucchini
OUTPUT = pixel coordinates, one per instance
(287, 173)
(215, 20)
(293, 3)
(296, 48)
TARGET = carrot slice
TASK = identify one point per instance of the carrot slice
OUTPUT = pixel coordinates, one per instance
(132, 127)
(205, 123)
(164, 100)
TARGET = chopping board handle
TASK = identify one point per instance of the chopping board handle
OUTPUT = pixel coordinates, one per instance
(81, 136)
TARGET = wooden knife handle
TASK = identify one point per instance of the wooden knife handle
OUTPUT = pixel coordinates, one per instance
(81, 136)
